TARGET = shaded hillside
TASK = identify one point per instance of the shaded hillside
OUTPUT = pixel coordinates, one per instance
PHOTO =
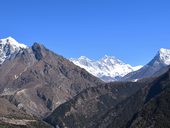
(154, 101)
(114, 105)
(92, 107)
(156, 112)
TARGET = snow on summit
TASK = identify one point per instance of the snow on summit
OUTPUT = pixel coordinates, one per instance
(12, 42)
(9, 47)
(108, 68)
(164, 55)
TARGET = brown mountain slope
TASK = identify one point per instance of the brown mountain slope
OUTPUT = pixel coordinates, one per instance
(39, 80)
(13, 117)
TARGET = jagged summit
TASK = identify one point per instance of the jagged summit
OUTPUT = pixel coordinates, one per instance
(111, 60)
(84, 58)
(37, 50)
(108, 57)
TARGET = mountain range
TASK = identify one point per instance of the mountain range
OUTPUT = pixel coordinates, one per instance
(108, 68)
(39, 88)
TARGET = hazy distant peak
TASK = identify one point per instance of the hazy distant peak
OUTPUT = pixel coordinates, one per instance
(108, 68)
(108, 57)
(84, 58)
(111, 60)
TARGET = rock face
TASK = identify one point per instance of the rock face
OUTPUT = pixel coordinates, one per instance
(160, 61)
(38, 80)
(108, 68)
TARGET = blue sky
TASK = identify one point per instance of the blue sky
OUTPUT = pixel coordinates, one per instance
(131, 30)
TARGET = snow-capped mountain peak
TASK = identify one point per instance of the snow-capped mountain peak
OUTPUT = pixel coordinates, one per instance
(154, 68)
(108, 68)
(9, 47)
(164, 55)
(82, 60)
(12, 42)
